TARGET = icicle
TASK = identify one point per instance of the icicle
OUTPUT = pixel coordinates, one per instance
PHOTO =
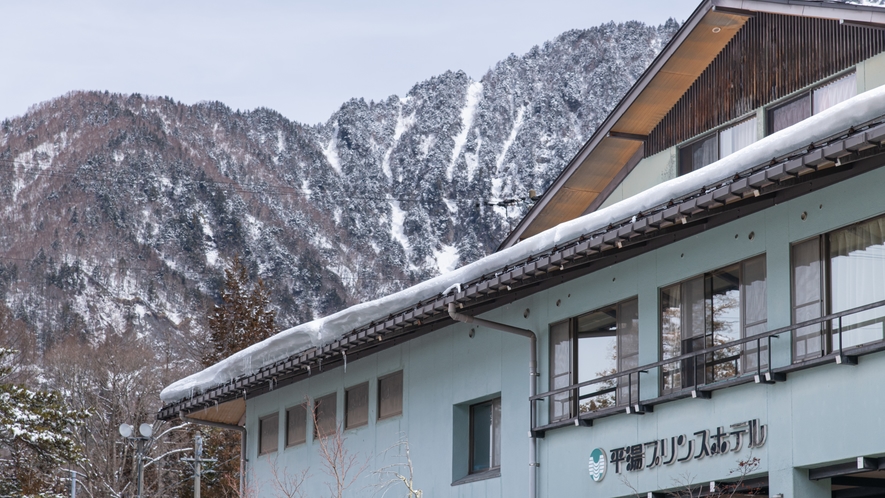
(321, 364)
(344, 354)
(308, 370)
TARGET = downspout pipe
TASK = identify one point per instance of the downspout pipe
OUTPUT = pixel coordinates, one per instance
(533, 381)
(230, 427)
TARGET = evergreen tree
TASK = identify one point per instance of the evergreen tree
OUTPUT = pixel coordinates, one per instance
(243, 318)
(35, 437)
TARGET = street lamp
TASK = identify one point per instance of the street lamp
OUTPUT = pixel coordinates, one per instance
(146, 432)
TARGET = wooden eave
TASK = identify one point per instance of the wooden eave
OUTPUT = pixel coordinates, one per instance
(601, 160)
(230, 412)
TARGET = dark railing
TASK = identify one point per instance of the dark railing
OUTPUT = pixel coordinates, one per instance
(763, 372)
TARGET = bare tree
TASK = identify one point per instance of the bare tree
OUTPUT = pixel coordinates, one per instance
(339, 463)
(287, 485)
(401, 471)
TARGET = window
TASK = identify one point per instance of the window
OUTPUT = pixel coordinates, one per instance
(356, 406)
(268, 428)
(296, 425)
(590, 346)
(390, 395)
(325, 416)
(716, 145)
(485, 436)
(836, 272)
(811, 102)
(713, 309)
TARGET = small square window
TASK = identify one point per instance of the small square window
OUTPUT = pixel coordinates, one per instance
(356, 406)
(390, 395)
(325, 415)
(296, 425)
(485, 436)
(268, 428)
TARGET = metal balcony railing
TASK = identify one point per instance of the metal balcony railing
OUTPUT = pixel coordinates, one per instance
(713, 364)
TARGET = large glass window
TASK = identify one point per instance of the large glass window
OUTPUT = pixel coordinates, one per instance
(390, 395)
(268, 429)
(838, 271)
(597, 344)
(325, 415)
(717, 145)
(296, 425)
(713, 309)
(485, 436)
(356, 406)
(811, 102)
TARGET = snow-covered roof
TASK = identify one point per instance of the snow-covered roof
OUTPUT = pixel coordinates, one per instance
(860, 109)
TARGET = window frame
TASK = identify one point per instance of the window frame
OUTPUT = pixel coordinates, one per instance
(261, 425)
(347, 401)
(708, 335)
(398, 373)
(828, 341)
(715, 134)
(494, 466)
(799, 94)
(573, 397)
(303, 407)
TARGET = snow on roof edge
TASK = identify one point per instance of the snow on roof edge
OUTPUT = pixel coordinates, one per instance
(857, 110)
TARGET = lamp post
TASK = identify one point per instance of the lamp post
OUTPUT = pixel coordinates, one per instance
(146, 432)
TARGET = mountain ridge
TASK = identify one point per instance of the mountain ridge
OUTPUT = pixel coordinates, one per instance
(120, 211)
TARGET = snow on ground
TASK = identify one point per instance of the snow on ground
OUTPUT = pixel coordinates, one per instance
(331, 151)
(855, 111)
(474, 94)
(517, 124)
(397, 221)
(446, 258)
(281, 142)
(402, 126)
(451, 205)
(211, 247)
(426, 144)
(472, 159)
(253, 226)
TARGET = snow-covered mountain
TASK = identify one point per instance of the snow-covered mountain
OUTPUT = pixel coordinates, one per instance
(119, 212)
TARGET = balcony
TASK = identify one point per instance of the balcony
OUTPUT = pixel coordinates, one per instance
(699, 373)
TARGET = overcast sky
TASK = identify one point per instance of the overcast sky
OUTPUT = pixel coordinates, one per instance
(302, 59)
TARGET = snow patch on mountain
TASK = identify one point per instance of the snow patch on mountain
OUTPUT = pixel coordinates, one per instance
(474, 94)
(331, 152)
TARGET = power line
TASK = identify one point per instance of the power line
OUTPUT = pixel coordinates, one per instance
(274, 190)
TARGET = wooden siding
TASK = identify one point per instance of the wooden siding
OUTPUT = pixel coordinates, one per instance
(770, 57)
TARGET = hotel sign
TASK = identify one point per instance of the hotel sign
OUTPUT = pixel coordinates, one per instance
(682, 448)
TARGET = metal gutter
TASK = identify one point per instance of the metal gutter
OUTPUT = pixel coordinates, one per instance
(533, 381)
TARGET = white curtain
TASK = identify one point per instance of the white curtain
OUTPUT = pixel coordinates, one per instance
(737, 137)
(857, 269)
(832, 93)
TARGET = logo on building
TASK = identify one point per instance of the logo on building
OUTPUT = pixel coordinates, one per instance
(597, 464)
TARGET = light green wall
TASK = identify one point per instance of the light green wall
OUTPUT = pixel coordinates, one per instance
(648, 172)
(871, 73)
(818, 416)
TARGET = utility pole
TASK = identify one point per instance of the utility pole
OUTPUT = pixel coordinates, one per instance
(140, 456)
(197, 463)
